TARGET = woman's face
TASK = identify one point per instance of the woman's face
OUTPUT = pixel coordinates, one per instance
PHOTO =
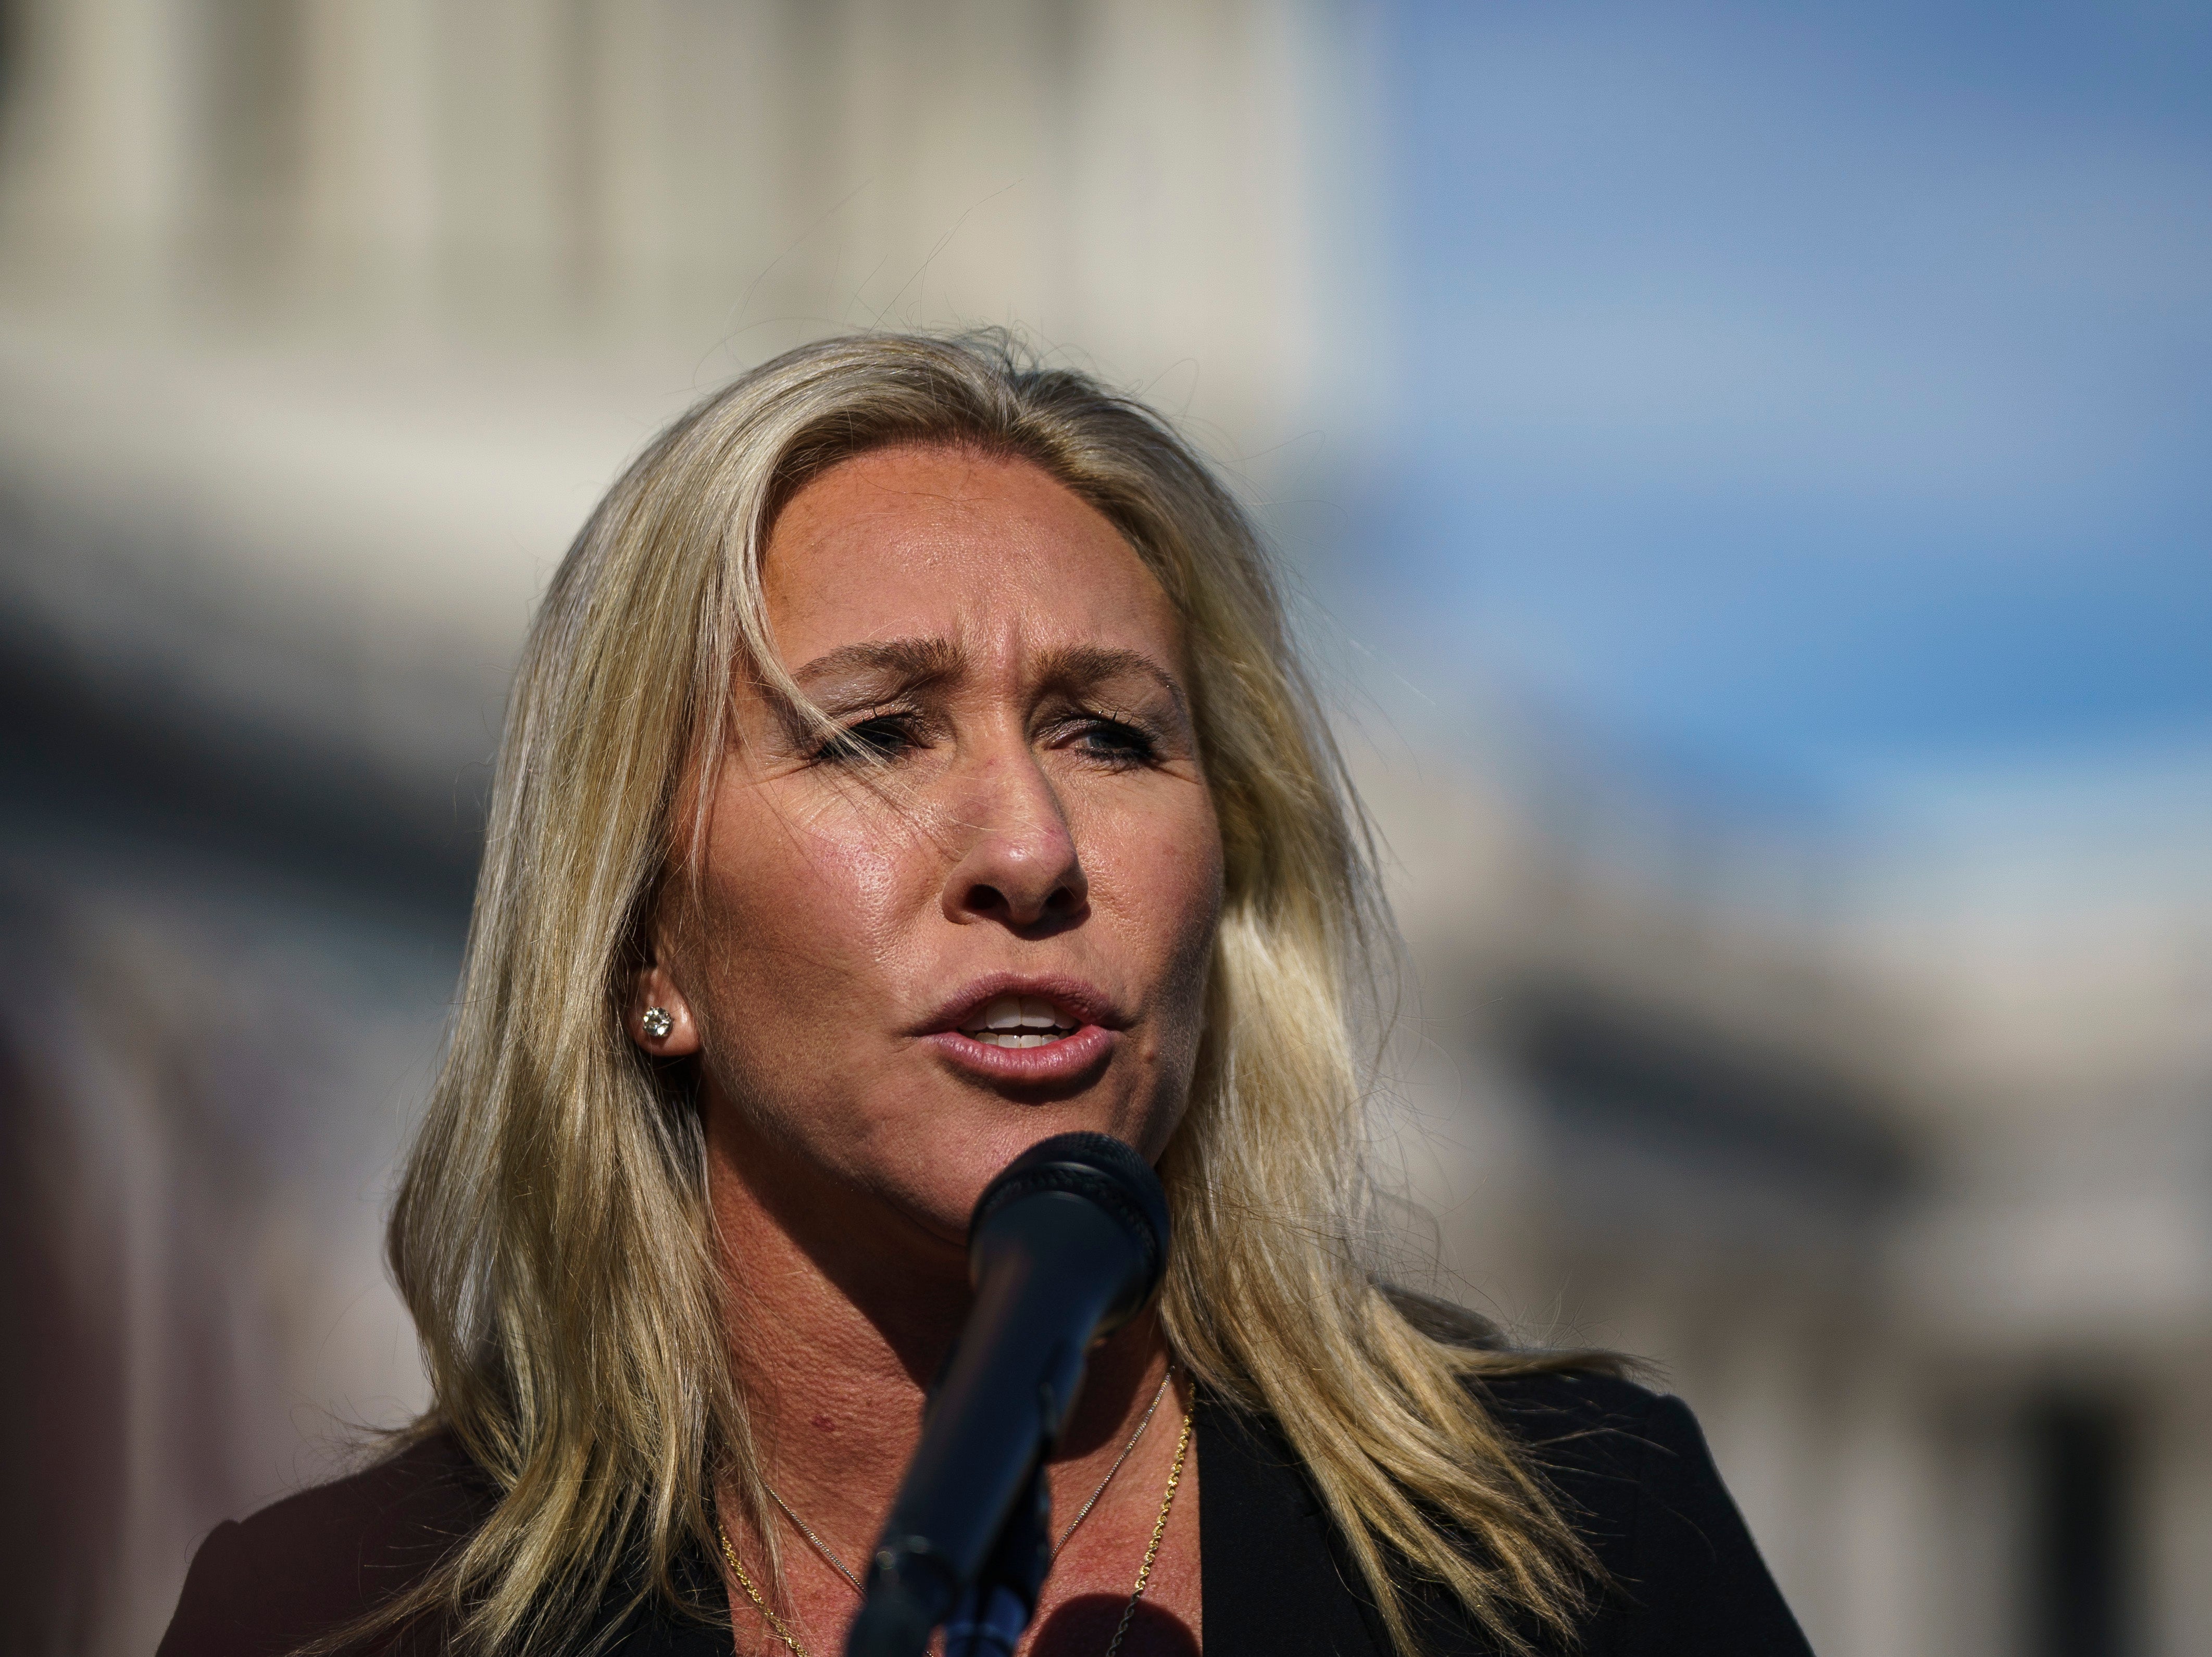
(982, 915)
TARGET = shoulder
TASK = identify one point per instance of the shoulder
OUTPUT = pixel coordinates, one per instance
(313, 1562)
(1631, 1471)
(1581, 1422)
(1601, 1444)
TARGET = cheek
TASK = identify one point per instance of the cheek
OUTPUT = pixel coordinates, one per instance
(1167, 877)
(1196, 887)
(798, 909)
(1162, 871)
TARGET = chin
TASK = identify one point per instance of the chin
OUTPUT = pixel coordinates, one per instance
(937, 1169)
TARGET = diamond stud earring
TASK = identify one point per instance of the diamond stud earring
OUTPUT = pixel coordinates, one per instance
(657, 1022)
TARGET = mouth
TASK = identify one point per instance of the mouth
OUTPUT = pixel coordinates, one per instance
(1026, 1032)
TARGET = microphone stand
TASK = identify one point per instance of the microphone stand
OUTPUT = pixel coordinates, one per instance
(991, 1615)
(1068, 1243)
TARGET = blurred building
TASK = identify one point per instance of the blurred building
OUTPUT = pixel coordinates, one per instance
(321, 326)
(1895, 1159)
(322, 323)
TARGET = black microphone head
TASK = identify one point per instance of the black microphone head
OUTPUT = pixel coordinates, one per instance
(1100, 1168)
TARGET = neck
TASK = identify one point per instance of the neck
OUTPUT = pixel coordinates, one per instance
(842, 1312)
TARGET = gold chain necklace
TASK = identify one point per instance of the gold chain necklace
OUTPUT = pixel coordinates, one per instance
(1128, 1612)
(829, 1555)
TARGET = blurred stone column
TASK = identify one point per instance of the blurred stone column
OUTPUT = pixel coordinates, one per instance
(507, 133)
(1880, 1579)
(368, 184)
(137, 1357)
(2175, 1517)
(98, 142)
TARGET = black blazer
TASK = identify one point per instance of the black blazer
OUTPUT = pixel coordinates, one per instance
(1629, 1468)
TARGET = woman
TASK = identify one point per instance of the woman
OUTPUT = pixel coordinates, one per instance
(908, 764)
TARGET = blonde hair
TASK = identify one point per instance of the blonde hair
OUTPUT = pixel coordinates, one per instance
(551, 1235)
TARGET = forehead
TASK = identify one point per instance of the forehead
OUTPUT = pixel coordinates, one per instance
(941, 542)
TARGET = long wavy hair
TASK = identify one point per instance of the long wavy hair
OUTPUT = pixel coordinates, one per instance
(552, 1236)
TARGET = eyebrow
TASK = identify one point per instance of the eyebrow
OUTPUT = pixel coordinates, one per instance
(917, 661)
(924, 661)
(1078, 665)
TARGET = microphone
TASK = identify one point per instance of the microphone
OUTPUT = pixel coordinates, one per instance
(1068, 1243)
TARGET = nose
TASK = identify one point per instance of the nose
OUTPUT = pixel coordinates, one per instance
(1020, 865)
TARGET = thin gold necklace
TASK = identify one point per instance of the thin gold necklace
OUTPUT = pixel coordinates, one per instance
(1128, 1612)
(829, 1555)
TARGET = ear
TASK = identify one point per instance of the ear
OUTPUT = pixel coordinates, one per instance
(653, 990)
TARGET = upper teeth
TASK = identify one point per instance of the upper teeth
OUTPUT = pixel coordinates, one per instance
(1019, 1021)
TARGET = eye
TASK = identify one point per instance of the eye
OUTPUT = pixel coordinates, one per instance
(1115, 742)
(880, 737)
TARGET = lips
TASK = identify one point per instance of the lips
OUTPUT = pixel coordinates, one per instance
(1020, 1029)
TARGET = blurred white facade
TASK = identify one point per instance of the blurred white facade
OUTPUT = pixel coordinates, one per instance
(323, 322)
(1898, 1162)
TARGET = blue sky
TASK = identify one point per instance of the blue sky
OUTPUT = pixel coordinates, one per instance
(1807, 394)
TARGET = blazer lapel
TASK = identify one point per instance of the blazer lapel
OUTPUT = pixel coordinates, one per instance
(656, 1628)
(1273, 1581)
